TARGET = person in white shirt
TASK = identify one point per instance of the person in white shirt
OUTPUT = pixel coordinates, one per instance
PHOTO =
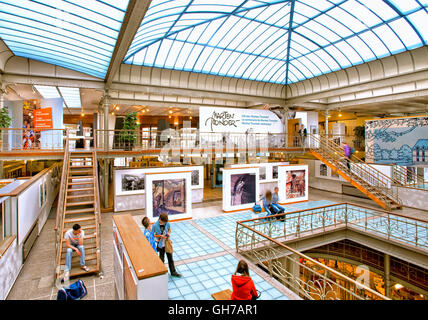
(74, 241)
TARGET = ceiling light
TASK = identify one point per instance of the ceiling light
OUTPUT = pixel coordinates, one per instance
(170, 111)
(82, 114)
(169, 117)
(190, 117)
(340, 114)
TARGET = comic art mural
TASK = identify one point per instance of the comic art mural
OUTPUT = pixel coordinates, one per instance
(402, 141)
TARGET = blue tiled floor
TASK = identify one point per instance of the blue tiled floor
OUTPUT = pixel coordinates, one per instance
(189, 242)
(223, 227)
(202, 278)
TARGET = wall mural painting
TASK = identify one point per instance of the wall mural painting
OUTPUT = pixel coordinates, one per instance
(403, 141)
(295, 185)
(132, 182)
(243, 188)
(169, 196)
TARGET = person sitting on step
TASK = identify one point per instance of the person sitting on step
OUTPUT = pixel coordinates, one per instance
(74, 242)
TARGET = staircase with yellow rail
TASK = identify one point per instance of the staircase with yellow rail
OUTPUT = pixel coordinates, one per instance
(373, 183)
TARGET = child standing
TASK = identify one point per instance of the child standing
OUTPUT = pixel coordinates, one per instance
(148, 233)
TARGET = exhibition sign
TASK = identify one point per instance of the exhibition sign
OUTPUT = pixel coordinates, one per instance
(212, 119)
(43, 118)
(293, 183)
(170, 193)
(240, 188)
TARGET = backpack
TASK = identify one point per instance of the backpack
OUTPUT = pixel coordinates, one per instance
(352, 151)
(75, 291)
(257, 208)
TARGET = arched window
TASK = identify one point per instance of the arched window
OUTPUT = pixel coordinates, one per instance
(417, 154)
(423, 153)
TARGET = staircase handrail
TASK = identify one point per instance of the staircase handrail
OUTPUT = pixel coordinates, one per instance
(401, 173)
(381, 176)
(361, 171)
(61, 203)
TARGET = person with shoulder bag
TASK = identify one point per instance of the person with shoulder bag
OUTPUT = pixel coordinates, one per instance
(242, 284)
(162, 232)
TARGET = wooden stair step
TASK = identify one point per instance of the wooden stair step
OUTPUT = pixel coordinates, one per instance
(85, 166)
(76, 173)
(80, 211)
(81, 177)
(78, 183)
(82, 203)
(80, 189)
(86, 227)
(77, 272)
(77, 220)
(81, 196)
(75, 258)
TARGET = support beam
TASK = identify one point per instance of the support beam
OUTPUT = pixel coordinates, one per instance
(368, 85)
(131, 22)
(106, 161)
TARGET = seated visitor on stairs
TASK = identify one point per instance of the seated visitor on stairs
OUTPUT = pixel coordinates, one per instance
(74, 241)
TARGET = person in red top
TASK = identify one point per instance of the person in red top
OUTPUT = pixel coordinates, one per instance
(242, 284)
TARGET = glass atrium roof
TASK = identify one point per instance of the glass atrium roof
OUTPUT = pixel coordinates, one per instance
(275, 41)
(75, 34)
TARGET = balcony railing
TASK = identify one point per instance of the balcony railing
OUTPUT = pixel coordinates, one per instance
(261, 240)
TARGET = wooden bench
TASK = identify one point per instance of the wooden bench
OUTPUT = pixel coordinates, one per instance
(222, 295)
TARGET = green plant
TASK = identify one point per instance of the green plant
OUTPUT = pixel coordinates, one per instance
(5, 120)
(360, 132)
(129, 130)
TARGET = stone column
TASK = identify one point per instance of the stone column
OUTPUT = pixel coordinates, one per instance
(106, 146)
(387, 270)
(2, 93)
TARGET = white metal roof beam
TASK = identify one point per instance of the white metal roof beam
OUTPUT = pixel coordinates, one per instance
(380, 99)
(150, 89)
(406, 78)
(131, 22)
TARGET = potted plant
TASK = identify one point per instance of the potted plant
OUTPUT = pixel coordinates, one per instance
(128, 134)
(5, 121)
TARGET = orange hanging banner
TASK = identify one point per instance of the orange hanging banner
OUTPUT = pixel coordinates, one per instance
(43, 118)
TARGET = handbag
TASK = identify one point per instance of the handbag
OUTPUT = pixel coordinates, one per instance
(168, 246)
(257, 208)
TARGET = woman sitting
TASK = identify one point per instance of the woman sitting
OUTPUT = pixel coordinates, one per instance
(242, 284)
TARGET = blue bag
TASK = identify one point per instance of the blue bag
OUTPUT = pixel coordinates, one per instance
(75, 291)
(257, 208)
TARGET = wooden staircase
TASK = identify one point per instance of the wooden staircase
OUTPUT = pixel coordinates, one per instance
(80, 205)
(364, 177)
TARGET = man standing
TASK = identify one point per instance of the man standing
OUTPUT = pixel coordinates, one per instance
(162, 231)
(74, 241)
(303, 133)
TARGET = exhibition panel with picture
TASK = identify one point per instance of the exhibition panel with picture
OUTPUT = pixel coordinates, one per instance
(240, 188)
(293, 183)
(170, 193)
(129, 185)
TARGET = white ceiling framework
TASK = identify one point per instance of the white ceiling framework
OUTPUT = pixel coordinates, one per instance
(385, 83)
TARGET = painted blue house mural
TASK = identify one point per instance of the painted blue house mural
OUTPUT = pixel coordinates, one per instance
(420, 152)
(402, 141)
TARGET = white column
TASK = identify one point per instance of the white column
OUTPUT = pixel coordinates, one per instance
(106, 146)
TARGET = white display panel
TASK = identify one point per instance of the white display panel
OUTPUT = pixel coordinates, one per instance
(169, 192)
(240, 188)
(270, 167)
(323, 171)
(131, 181)
(293, 183)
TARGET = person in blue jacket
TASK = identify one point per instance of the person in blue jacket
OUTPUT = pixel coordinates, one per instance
(148, 233)
(267, 203)
(161, 231)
